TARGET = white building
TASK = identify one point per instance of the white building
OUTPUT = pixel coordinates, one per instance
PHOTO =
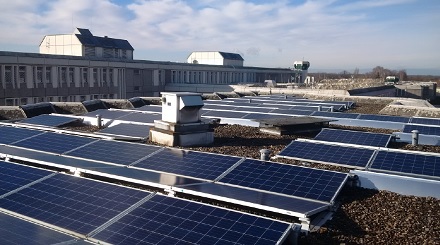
(215, 58)
(83, 43)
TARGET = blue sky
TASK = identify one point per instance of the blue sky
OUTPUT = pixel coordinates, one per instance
(331, 34)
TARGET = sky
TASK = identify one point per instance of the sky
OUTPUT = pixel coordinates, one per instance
(330, 34)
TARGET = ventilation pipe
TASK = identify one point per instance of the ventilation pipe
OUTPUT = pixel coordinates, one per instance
(332, 108)
(319, 108)
(415, 137)
(264, 154)
(99, 121)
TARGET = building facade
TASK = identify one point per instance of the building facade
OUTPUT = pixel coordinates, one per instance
(80, 66)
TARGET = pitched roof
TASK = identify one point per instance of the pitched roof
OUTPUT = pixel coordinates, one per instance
(87, 38)
(231, 56)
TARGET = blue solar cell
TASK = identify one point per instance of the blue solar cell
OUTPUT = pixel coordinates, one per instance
(354, 137)
(130, 130)
(11, 134)
(114, 151)
(286, 179)
(149, 108)
(315, 152)
(13, 176)
(384, 118)
(422, 129)
(335, 114)
(53, 142)
(17, 231)
(253, 109)
(291, 204)
(310, 108)
(49, 120)
(426, 121)
(292, 112)
(141, 117)
(188, 163)
(167, 220)
(409, 163)
(77, 204)
(108, 114)
(225, 114)
(263, 116)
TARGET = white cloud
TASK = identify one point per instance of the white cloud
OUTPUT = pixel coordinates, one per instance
(273, 33)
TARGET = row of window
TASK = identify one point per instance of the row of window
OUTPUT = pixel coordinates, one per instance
(70, 98)
(61, 76)
(211, 77)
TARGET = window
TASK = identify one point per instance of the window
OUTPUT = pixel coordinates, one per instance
(82, 98)
(8, 77)
(95, 76)
(137, 71)
(10, 102)
(104, 76)
(110, 74)
(71, 76)
(85, 73)
(48, 74)
(63, 76)
(23, 101)
(22, 74)
(137, 88)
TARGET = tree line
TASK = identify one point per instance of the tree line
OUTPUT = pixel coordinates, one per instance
(377, 72)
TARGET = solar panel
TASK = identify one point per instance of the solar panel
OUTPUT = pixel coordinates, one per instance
(427, 121)
(384, 118)
(409, 163)
(290, 204)
(12, 134)
(149, 108)
(188, 163)
(114, 151)
(335, 114)
(354, 137)
(253, 109)
(125, 129)
(13, 176)
(108, 114)
(167, 220)
(263, 116)
(54, 142)
(310, 108)
(316, 152)
(17, 231)
(292, 112)
(286, 179)
(49, 120)
(225, 114)
(422, 129)
(76, 204)
(141, 117)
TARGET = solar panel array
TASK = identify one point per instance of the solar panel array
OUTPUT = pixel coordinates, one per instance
(17, 231)
(188, 163)
(146, 159)
(384, 118)
(49, 120)
(12, 134)
(327, 153)
(354, 137)
(286, 179)
(422, 129)
(116, 214)
(407, 162)
(117, 152)
(166, 220)
(130, 130)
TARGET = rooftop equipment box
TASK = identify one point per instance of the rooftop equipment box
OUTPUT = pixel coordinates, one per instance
(181, 107)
